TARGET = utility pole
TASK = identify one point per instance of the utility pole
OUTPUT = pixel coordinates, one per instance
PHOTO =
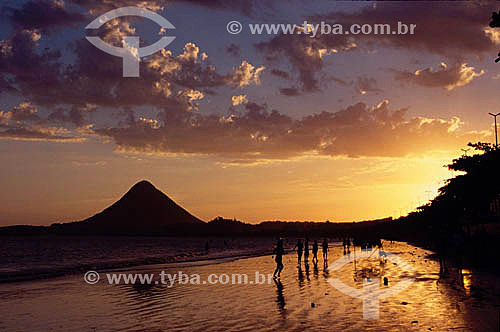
(496, 134)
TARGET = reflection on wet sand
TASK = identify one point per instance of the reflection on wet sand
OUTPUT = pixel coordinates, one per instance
(280, 299)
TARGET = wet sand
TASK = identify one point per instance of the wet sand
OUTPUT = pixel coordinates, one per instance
(466, 302)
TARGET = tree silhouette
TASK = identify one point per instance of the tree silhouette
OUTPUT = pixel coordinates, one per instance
(467, 197)
(495, 23)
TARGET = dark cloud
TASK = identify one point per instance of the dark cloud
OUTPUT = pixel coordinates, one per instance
(365, 84)
(24, 112)
(38, 134)
(98, 7)
(250, 8)
(452, 30)
(23, 122)
(6, 85)
(290, 92)
(77, 115)
(446, 77)
(460, 30)
(357, 130)
(32, 71)
(280, 74)
(243, 7)
(304, 53)
(43, 14)
(174, 84)
(95, 77)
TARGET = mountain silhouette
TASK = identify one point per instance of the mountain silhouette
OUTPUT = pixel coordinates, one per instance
(143, 208)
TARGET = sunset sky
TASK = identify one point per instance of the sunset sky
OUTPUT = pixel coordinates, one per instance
(257, 127)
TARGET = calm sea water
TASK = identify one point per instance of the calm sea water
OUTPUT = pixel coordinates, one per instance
(461, 302)
(28, 258)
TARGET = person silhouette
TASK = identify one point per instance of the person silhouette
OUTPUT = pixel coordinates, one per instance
(324, 247)
(315, 252)
(441, 243)
(306, 250)
(278, 252)
(300, 248)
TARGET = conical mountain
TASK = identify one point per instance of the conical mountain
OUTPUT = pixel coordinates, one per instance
(143, 208)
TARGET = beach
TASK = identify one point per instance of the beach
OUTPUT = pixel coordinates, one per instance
(300, 300)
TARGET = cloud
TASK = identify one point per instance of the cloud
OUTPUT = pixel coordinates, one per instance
(244, 7)
(304, 53)
(365, 84)
(36, 133)
(260, 133)
(24, 123)
(445, 77)
(5, 118)
(290, 92)
(460, 29)
(45, 15)
(24, 112)
(174, 84)
(23, 65)
(246, 74)
(238, 100)
(95, 78)
(280, 73)
(88, 164)
(97, 8)
(77, 115)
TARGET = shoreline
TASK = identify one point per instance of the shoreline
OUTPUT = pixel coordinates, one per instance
(33, 274)
(45, 274)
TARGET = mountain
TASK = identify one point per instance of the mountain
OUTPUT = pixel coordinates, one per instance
(143, 209)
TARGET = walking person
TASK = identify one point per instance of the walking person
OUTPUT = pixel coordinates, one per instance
(278, 252)
(324, 247)
(306, 250)
(300, 249)
(315, 252)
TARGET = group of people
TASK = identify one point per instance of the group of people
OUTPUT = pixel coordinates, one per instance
(302, 249)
